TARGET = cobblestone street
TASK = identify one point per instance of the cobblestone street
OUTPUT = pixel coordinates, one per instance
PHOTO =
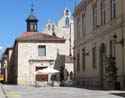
(21, 91)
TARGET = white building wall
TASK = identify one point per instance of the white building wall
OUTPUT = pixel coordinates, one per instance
(27, 51)
(69, 67)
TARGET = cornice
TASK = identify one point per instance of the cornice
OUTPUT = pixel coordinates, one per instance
(83, 4)
(41, 41)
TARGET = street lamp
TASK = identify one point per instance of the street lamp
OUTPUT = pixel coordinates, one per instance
(117, 42)
(115, 37)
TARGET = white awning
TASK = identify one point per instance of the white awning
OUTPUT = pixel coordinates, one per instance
(47, 71)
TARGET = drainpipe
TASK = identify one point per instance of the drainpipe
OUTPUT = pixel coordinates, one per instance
(123, 66)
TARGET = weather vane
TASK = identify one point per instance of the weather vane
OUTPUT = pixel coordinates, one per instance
(32, 6)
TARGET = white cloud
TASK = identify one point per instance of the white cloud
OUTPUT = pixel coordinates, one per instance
(1, 47)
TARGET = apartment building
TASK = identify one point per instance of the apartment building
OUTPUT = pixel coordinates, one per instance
(99, 32)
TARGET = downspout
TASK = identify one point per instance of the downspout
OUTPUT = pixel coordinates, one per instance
(122, 43)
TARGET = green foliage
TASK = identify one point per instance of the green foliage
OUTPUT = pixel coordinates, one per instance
(111, 70)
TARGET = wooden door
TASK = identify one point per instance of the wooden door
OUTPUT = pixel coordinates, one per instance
(41, 77)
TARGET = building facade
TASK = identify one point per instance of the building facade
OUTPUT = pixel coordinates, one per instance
(99, 32)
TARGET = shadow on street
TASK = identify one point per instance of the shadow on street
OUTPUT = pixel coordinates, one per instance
(119, 94)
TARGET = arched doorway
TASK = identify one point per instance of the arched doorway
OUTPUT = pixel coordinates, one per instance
(102, 65)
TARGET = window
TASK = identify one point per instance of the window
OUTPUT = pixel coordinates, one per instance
(78, 61)
(53, 27)
(103, 12)
(94, 57)
(113, 9)
(67, 22)
(49, 27)
(78, 29)
(83, 59)
(35, 27)
(94, 18)
(41, 50)
(31, 26)
(112, 47)
(83, 24)
(67, 12)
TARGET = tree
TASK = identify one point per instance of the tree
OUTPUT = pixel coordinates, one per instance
(111, 70)
(111, 74)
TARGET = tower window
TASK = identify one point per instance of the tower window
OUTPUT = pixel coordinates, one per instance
(67, 22)
(31, 26)
(67, 12)
(49, 27)
(35, 27)
(53, 27)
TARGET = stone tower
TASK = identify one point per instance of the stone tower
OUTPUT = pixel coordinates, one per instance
(32, 22)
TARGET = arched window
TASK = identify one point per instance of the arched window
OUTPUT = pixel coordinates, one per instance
(49, 27)
(67, 12)
(67, 22)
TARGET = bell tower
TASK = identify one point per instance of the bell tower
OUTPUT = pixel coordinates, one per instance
(32, 22)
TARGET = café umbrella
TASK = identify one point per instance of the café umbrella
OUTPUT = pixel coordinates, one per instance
(47, 71)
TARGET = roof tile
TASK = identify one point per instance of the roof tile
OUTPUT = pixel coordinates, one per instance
(38, 36)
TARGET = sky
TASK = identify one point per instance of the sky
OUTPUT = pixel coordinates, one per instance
(14, 12)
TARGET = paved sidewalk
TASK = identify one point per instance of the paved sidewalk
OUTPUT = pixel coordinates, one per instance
(2, 93)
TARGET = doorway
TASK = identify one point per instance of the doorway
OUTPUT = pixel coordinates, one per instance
(41, 77)
(102, 65)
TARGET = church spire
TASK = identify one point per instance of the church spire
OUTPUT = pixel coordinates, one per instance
(32, 21)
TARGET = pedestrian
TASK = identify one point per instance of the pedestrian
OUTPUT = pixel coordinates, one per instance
(71, 75)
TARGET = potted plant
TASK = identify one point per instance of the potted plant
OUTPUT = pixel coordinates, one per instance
(111, 73)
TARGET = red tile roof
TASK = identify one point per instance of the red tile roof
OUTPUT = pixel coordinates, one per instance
(40, 37)
(27, 34)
